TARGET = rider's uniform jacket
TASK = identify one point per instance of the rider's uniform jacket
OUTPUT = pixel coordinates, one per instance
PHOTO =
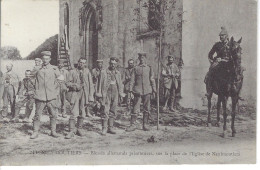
(222, 50)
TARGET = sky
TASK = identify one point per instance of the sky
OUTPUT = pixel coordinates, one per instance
(26, 24)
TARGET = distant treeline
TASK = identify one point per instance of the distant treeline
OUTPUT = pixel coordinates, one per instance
(51, 44)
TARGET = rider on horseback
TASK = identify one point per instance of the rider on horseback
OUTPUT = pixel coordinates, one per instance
(222, 49)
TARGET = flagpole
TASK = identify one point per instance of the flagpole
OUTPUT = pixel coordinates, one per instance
(158, 79)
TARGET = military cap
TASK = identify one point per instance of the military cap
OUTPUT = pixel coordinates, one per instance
(37, 59)
(223, 31)
(99, 61)
(142, 53)
(46, 53)
(113, 60)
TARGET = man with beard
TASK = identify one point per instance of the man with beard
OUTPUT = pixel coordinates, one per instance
(170, 75)
(127, 78)
(111, 89)
(80, 94)
(62, 88)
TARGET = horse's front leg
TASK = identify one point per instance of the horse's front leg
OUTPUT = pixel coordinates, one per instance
(209, 109)
(218, 111)
(224, 105)
(233, 115)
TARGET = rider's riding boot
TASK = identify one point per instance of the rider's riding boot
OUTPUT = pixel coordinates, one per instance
(132, 126)
(72, 129)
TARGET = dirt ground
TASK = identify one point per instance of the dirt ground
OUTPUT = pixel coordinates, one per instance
(182, 138)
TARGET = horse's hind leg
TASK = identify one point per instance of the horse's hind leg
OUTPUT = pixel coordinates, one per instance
(209, 108)
(218, 111)
(233, 115)
(224, 105)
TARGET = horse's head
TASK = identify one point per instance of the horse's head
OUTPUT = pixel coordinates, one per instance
(236, 51)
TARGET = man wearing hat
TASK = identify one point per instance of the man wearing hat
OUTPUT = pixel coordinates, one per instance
(127, 78)
(96, 77)
(38, 65)
(111, 89)
(170, 75)
(25, 96)
(221, 49)
(46, 91)
(142, 85)
(80, 93)
(11, 85)
(62, 88)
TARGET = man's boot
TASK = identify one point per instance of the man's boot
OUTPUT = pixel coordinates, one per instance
(36, 126)
(111, 129)
(71, 128)
(15, 118)
(104, 126)
(80, 126)
(172, 104)
(53, 127)
(145, 121)
(132, 126)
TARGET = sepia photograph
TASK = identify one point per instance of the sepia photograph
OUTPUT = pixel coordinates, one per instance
(128, 82)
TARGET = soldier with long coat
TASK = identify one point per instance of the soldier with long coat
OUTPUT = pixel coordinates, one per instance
(142, 85)
(170, 75)
(46, 92)
(11, 85)
(111, 89)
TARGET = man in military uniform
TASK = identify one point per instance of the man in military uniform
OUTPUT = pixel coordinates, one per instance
(96, 75)
(221, 48)
(25, 96)
(80, 89)
(46, 91)
(11, 85)
(142, 85)
(1, 91)
(38, 65)
(127, 78)
(62, 88)
(111, 89)
(170, 75)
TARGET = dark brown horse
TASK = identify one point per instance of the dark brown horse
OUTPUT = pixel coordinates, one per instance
(227, 81)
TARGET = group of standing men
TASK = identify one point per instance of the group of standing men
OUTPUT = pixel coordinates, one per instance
(46, 84)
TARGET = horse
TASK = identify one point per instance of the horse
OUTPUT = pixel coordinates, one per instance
(227, 81)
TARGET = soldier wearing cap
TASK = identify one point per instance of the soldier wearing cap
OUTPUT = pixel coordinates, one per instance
(79, 95)
(38, 65)
(1, 89)
(11, 85)
(111, 89)
(25, 96)
(221, 49)
(96, 77)
(170, 75)
(127, 78)
(46, 91)
(62, 88)
(142, 85)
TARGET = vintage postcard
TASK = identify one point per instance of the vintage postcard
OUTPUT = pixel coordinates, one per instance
(128, 82)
